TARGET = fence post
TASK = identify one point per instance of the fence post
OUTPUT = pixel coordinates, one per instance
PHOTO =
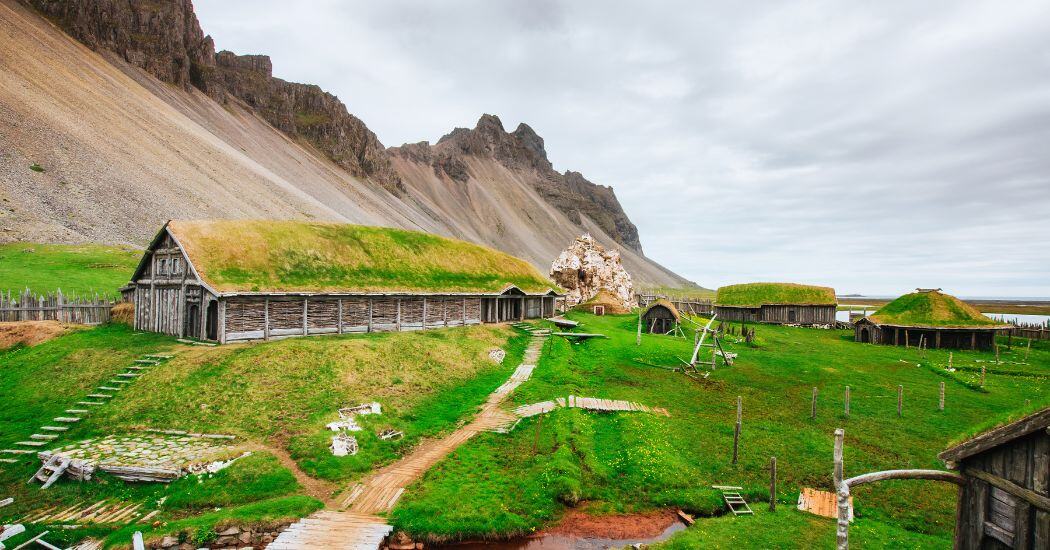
(982, 376)
(736, 431)
(773, 484)
(841, 493)
(638, 338)
(813, 405)
(900, 400)
(847, 401)
(996, 354)
(940, 403)
(1028, 350)
(950, 359)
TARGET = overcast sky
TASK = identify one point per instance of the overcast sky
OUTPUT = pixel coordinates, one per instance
(871, 146)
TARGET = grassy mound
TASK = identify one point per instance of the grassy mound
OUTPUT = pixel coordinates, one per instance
(606, 299)
(931, 309)
(759, 294)
(76, 269)
(269, 255)
(516, 483)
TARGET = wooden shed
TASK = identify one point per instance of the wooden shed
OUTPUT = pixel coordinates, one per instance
(929, 316)
(227, 280)
(779, 303)
(1005, 501)
(661, 317)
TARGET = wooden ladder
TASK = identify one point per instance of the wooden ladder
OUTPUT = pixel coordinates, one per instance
(49, 473)
(734, 501)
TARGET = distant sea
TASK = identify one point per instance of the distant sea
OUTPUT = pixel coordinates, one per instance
(980, 298)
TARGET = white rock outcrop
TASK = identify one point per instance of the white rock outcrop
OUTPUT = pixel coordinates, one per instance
(585, 268)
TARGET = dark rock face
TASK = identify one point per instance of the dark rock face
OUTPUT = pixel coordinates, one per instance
(523, 150)
(164, 38)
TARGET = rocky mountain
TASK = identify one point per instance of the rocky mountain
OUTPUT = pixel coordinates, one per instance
(140, 120)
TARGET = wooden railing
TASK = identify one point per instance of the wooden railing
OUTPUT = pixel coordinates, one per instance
(54, 306)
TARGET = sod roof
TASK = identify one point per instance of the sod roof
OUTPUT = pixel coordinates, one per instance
(665, 304)
(292, 256)
(934, 309)
(760, 294)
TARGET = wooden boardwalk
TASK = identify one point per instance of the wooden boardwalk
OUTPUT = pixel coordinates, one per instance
(357, 526)
(588, 403)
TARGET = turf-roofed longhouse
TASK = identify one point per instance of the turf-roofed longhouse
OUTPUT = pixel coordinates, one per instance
(226, 280)
(935, 319)
(781, 303)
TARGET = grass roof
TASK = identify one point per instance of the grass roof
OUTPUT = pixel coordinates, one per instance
(292, 256)
(931, 309)
(759, 294)
(666, 304)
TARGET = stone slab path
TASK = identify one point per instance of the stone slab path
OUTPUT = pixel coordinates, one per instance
(358, 525)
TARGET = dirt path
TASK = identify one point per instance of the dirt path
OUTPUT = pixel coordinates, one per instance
(358, 526)
(317, 488)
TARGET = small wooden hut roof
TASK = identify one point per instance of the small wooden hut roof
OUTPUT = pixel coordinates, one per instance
(249, 256)
(931, 308)
(762, 294)
(1039, 420)
(664, 304)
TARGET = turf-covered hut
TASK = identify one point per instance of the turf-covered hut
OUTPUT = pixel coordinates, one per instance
(226, 280)
(938, 320)
(781, 303)
(661, 317)
(1005, 500)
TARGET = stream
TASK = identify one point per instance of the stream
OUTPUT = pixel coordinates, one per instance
(560, 541)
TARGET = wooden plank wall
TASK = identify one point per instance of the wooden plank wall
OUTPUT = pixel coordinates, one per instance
(989, 515)
(249, 318)
(55, 306)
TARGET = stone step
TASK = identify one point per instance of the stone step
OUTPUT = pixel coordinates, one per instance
(129, 375)
(45, 437)
(108, 388)
(120, 381)
(157, 356)
(77, 411)
(100, 396)
(31, 443)
(137, 368)
(55, 428)
(16, 451)
(9, 460)
(90, 403)
(147, 362)
(67, 419)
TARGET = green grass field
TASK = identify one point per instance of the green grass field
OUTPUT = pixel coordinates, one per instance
(501, 485)
(76, 269)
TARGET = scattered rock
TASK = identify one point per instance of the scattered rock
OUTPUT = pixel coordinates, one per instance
(498, 355)
(586, 267)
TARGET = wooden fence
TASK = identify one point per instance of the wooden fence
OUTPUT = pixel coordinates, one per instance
(54, 306)
(684, 304)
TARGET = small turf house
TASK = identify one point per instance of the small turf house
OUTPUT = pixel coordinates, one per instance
(780, 303)
(661, 317)
(929, 316)
(228, 280)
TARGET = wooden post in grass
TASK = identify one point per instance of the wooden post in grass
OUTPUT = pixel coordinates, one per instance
(950, 359)
(638, 338)
(1028, 350)
(842, 494)
(940, 402)
(847, 402)
(813, 405)
(736, 431)
(996, 354)
(982, 376)
(773, 484)
(900, 401)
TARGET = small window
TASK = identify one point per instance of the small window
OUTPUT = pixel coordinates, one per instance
(162, 267)
(176, 266)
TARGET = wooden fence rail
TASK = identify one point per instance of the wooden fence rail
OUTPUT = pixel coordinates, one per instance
(54, 306)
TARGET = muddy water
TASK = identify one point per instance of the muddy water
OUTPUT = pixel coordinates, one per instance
(563, 542)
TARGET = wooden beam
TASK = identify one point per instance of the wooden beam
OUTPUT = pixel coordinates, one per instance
(1031, 423)
(933, 475)
(1032, 497)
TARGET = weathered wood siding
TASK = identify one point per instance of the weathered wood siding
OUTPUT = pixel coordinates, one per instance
(261, 317)
(779, 314)
(867, 332)
(168, 298)
(991, 517)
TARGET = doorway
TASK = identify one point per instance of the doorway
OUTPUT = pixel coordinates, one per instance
(212, 322)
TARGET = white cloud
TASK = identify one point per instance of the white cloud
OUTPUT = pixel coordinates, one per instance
(874, 147)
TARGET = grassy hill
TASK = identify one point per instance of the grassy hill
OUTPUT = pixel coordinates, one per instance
(931, 309)
(76, 269)
(516, 483)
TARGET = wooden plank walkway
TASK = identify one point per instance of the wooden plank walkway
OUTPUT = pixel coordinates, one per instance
(588, 403)
(357, 526)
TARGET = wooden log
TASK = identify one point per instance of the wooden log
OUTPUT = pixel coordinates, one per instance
(638, 337)
(1028, 350)
(982, 376)
(813, 405)
(1028, 495)
(773, 484)
(934, 475)
(842, 492)
(847, 402)
(940, 401)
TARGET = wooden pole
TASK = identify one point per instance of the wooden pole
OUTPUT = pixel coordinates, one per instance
(736, 431)
(940, 402)
(982, 376)
(847, 401)
(950, 359)
(813, 405)
(1028, 350)
(842, 492)
(773, 484)
(900, 401)
(996, 353)
(638, 338)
